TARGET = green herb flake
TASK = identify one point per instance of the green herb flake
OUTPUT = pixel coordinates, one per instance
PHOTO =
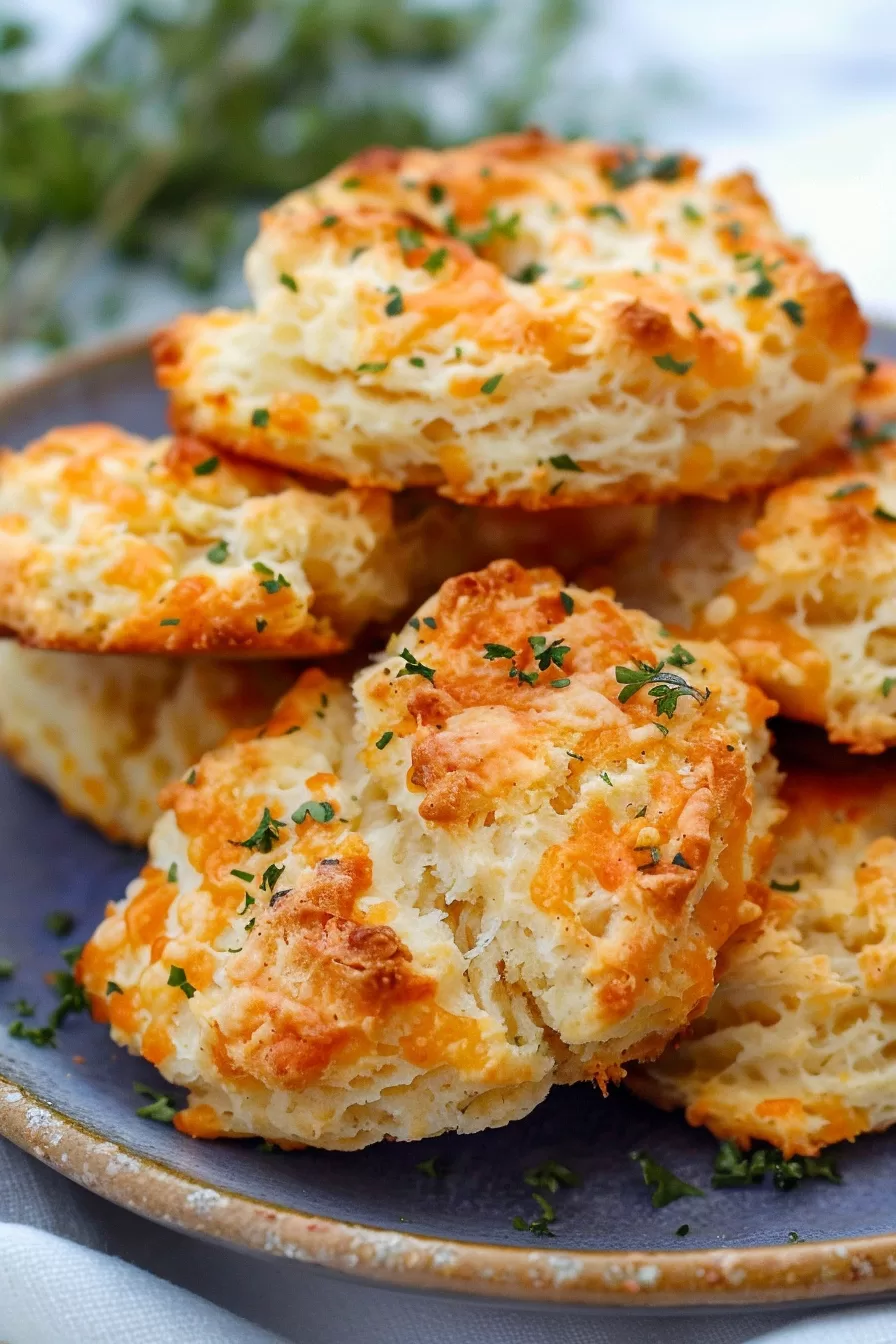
(395, 306)
(887, 685)
(527, 275)
(683, 1230)
(328, 221)
(22, 1008)
(870, 366)
(605, 777)
(172, 873)
(851, 488)
(883, 514)
(160, 1108)
(409, 239)
(691, 213)
(317, 811)
(563, 462)
(567, 603)
(40, 1036)
(177, 978)
(207, 467)
(433, 1167)
(248, 900)
(113, 988)
(350, 183)
(418, 361)
(59, 922)
(265, 835)
(667, 1187)
(680, 861)
(414, 668)
(733, 1169)
(384, 740)
(260, 417)
(260, 624)
(261, 568)
(680, 657)
(794, 311)
(578, 283)
(373, 368)
(274, 585)
(191, 777)
(794, 1237)
(575, 756)
(414, 623)
(642, 811)
(539, 1227)
(7, 968)
(271, 876)
(435, 261)
(785, 886)
(436, 193)
(636, 166)
(666, 688)
(491, 384)
(560, 683)
(548, 655)
(609, 211)
(696, 319)
(671, 365)
(170, 620)
(218, 553)
(429, 622)
(551, 1176)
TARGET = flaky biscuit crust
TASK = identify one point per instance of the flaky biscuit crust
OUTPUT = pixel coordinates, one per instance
(797, 1046)
(489, 875)
(525, 321)
(110, 543)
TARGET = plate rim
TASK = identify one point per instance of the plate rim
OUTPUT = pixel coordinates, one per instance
(705, 1277)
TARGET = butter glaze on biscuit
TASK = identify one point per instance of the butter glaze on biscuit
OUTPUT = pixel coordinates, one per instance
(418, 913)
(524, 320)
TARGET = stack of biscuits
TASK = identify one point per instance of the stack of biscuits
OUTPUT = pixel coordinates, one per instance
(538, 477)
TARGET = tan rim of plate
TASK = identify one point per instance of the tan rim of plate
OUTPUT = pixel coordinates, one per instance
(827, 1269)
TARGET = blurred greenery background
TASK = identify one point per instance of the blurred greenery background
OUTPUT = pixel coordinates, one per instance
(141, 165)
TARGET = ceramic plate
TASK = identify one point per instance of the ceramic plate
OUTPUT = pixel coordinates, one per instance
(375, 1213)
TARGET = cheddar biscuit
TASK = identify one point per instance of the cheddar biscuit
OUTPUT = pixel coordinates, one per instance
(524, 320)
(110, 543)
(797, 1045)
(510, 863)
(105, 734)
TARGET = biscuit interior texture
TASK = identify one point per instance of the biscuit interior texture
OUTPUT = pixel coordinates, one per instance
(111, 543)
(798, 1045)
(510, 861)
(529, 321)
(105, 734)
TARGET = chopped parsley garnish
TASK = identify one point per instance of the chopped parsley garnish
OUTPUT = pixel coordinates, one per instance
(429, 622)
(260, 624)
(680, 657)
(384, 740)
(161, 1107)
(349, 183)
(436, 192)
(785, 886)
(642, 811)
(418, 361)
(328, 221)
(260, 417)
(289, 282)
(265, 835)
(551, 1176)
(604, 776)
(794, 1236)
(732, 1168)
(434, 1167)
(527, 275)
(669, 364)
(852, 488)
(683, 1230)
(177, 978)
(794, 311)
(884, 514)
(696, 319)
(207, 467)
(887, 685)
(317, 811)
(373, 368)
(560, 683)
(529, 678)
(22, 1008)
(680, 861)
(667, 1187)
(636, 166)
(611, 211)
(41, 1036)
(661, 727)
(414, 668)
(261, 568)
(191, 777)
(7, 968)
(870, 366)
(567, 603)
(247, 901)
(436, 260)
(170, 620)
(274, 585)
(666, 688)
(409, 239)
(271, 876)
(539, 1227)
(414, 623)
(547, 654)
(691, 213)
(575, 756)
(172, 873)
(59, 922)
(113, 988)
(563, 462)
(218, 553)
(395, 306)
(495, 228)
(490, 385)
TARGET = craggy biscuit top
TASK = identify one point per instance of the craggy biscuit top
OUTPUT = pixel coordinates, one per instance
(112, 543)
(512, 864)
(798, 1044)
(524, 320)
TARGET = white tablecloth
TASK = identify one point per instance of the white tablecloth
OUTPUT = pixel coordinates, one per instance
(55, 1291)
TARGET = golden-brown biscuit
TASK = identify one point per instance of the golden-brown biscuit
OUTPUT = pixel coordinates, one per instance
(524, 320)
(105, 734)
(110, 543)
(798, 1045)
(513, 863)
